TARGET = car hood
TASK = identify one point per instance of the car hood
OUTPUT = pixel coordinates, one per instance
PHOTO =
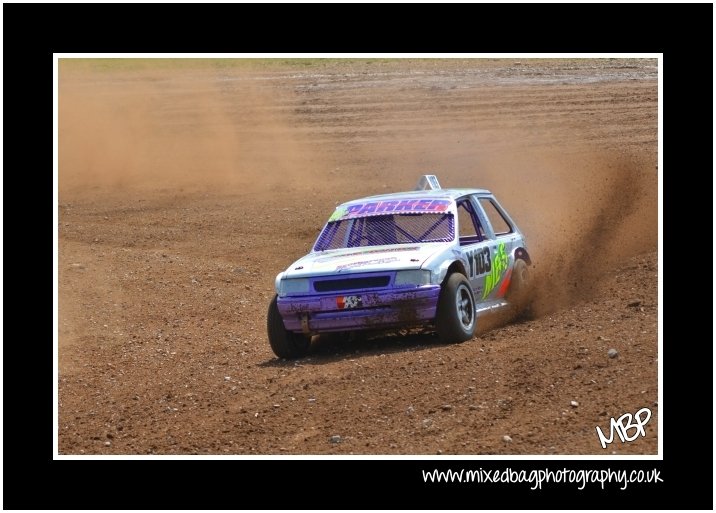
(362, 260)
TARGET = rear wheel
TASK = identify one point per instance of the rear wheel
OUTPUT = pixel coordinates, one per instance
(519, 291)
(285, 344)
(456, 310)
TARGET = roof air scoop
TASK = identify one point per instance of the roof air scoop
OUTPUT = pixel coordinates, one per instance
(428, 183)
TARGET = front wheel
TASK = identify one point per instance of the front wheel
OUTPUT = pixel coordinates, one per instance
(456, 310)
(285, 344)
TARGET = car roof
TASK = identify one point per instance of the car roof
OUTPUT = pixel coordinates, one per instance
(451, 194)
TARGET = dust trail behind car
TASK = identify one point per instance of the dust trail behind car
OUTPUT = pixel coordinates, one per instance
(176, 131)
(585, 214)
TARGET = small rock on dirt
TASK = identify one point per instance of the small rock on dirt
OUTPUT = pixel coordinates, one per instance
(446, 407)
(427, 423)
(336, 439)
(634, 304)
(507, 439)
(573, 404)
(612, 353)
(410, 410)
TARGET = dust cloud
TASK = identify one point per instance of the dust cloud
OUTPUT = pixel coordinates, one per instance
(584, 214)
(168, 131)
(584, 211)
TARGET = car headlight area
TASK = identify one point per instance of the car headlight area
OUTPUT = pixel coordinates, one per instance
(288, 286)
(413, 278)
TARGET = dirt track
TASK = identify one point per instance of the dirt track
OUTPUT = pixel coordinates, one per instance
(184, 191)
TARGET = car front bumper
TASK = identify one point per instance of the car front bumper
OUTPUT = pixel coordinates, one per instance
(377, 309)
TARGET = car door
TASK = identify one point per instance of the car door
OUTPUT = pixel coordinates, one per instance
(502, 238)
(474, 244)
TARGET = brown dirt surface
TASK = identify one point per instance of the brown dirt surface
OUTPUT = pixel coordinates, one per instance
(185, 188)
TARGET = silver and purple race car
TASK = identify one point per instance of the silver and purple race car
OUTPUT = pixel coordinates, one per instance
(430, 257)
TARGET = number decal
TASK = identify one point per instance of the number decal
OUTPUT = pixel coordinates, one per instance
(479, 261)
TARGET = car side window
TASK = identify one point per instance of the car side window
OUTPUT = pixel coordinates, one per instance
(497, 220)
(470, 230)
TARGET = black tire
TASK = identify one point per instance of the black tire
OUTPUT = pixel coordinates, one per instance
(285, 344)
(519, 292)
(455, 318)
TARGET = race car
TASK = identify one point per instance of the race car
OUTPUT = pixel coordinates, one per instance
(432, 257)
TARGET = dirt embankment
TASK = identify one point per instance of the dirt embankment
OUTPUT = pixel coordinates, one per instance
(183, 192)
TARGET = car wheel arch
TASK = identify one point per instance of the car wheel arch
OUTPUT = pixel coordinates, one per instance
(455, 267)
(520, 253)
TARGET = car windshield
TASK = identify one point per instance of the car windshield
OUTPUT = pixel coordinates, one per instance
(379, 230)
